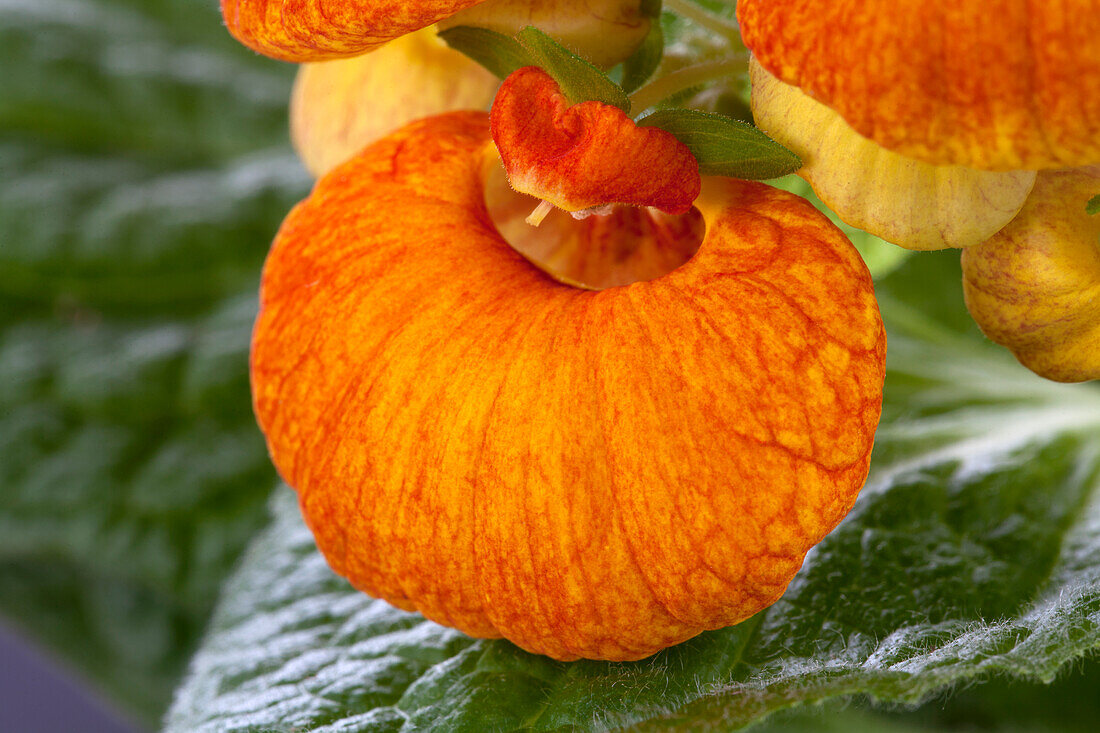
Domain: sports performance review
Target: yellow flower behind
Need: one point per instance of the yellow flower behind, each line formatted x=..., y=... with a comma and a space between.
x=338, y=107
x=1035, y=286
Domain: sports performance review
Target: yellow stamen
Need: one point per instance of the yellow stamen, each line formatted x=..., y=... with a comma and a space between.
x=541, y=211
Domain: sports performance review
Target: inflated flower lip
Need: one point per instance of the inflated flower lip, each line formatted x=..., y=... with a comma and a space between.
x=605, y=31
x=587, y=155
x=987, y=84
x=1035, y=286
x=588, y=474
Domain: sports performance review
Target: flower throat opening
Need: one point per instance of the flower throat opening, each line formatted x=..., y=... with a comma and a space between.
x=629, y=244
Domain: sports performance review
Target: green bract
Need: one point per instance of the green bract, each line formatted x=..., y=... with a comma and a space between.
x=644, y=61
x=724, y=146
x=498, y=53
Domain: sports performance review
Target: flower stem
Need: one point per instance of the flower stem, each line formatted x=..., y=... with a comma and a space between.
x=691, y=76
x=727, y=29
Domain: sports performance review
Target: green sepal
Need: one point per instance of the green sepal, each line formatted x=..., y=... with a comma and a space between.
x=646, y=58
x=579, y=80
x=498, y=53
x=724, y=146
x=1093, y=206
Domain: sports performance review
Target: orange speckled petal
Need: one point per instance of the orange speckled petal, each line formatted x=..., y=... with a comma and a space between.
x=316, y=30
x=990, y=84
x=338, y=107
x=1035, y=286
x=586, y=155
x=589, y=474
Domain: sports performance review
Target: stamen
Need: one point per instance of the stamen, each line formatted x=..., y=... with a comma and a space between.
x=604, y=210
x=541, y=211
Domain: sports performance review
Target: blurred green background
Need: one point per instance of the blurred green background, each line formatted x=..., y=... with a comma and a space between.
x=145, y=169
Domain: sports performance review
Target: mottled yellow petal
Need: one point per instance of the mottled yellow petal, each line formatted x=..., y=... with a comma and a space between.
x=913, y=204
x=589, y=474
x=990, y=84
x=603, y=31
x=1035, y=286
x=338, y=107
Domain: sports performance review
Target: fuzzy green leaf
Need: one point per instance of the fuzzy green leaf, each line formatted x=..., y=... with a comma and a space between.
x=972, y=552
x=579, y=80
x=724, y=146
x=647, y=57
x=498, y=53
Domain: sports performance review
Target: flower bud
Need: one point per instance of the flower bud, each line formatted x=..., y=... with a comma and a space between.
x=1035, y=285
x=338, y=107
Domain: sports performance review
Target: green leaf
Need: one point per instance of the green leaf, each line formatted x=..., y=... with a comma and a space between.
x=579, y=80
x=725, y=147
x=132, y=477
x=1093, y=206
x=146, y=170
x=647, y=57
x=498, y=53
x=1069, y=705
x=159, y=81
x=972, y=552
x=116, y=232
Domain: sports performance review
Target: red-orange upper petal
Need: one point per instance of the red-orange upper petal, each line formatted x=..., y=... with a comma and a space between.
x=991, y=84
x=595, y=474
x=589, y=154
x=315, y=30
